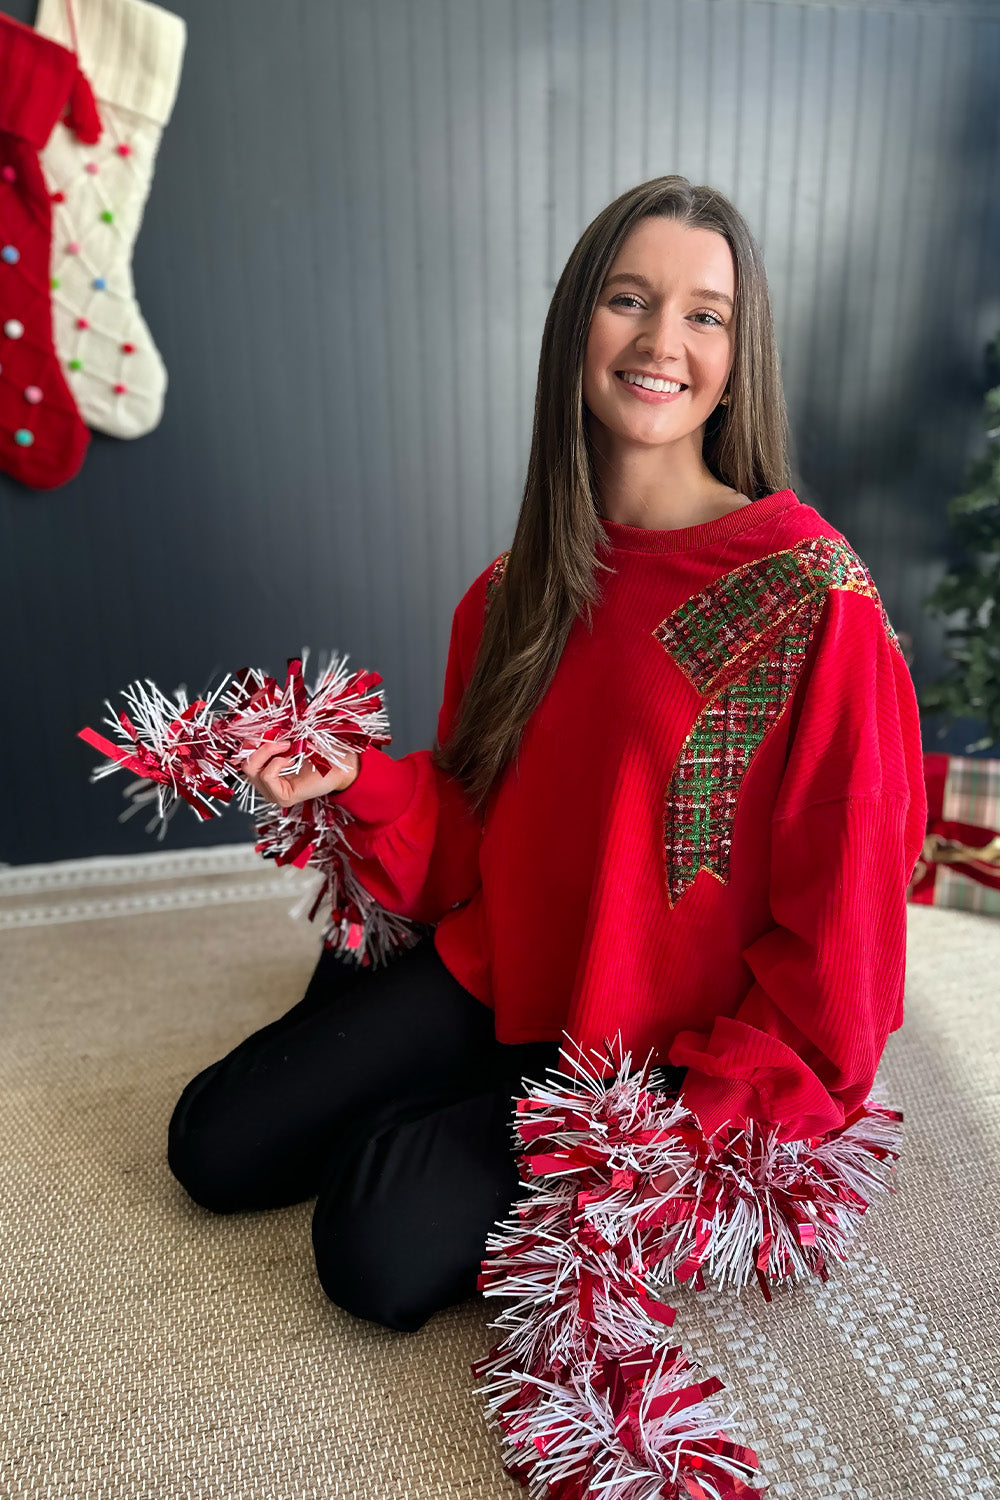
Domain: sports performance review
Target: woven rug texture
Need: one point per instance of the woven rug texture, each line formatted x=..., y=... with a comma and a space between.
x=152, y=1351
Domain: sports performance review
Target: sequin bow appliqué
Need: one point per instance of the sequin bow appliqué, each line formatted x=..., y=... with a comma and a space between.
x=742, y=642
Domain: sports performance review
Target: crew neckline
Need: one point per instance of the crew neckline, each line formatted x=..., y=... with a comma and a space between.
x=625, y=538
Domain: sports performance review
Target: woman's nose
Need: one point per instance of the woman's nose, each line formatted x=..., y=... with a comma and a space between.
x=660, y=337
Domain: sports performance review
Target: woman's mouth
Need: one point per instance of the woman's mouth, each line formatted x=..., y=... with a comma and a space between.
x=648, y=388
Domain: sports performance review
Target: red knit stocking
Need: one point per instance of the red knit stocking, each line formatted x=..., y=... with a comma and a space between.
x=42, y=439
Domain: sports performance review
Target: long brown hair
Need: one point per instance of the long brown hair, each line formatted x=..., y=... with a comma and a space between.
x=550, y=576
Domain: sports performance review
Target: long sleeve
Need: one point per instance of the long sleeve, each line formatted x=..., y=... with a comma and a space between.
x=801, y=1050
x=413, y=836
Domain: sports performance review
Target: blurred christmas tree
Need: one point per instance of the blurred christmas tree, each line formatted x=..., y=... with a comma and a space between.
x=967, y=595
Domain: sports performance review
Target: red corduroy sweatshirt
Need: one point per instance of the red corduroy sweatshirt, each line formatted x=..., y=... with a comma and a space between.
x=705, y=841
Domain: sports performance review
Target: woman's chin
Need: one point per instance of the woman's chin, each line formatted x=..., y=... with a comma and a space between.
x=642, y=426
x=654, y=432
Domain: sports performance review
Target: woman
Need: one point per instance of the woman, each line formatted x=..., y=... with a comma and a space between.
x=677, y=795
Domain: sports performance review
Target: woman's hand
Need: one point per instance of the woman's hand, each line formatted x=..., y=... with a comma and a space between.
x=265, y=770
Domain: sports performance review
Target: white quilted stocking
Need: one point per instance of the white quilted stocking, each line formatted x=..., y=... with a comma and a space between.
x=131, y=51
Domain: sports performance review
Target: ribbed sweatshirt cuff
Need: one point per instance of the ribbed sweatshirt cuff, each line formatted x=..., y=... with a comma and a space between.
x=130, y=50
x=382, y=789
x=714, y=1101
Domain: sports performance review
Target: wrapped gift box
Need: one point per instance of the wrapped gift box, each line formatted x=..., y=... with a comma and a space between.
x=960, y=862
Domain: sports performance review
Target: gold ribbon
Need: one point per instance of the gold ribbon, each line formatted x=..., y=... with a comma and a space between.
x=939, y=850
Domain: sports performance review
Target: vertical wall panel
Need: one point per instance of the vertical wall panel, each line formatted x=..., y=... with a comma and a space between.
x=725, y=66
x=662, y=71
x=496, y=76
x=398, y=317
x=533, y=208
x=696, y=89
x=757, y=104
x=439, y=373
x=466, y=291
x=807, y=203
x=359, y=214
x=631, y=83
x=573, y=116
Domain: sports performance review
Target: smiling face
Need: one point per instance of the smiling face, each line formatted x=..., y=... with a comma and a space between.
x=666, y=311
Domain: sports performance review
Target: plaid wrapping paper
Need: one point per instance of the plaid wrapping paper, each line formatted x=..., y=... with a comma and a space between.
x=963, y=822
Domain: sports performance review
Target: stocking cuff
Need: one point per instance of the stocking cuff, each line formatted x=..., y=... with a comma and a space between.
x=37, y=81
x=130, y=50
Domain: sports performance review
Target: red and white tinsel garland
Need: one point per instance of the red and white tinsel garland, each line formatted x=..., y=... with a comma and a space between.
x=317, y=834
x=193, y=752
x=624, y=1195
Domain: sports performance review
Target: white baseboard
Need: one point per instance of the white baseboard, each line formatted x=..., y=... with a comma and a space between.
x=126, y=869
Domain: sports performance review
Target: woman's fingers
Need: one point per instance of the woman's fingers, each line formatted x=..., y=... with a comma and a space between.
x=300, y=787
x=260, y=757
x=266, y=769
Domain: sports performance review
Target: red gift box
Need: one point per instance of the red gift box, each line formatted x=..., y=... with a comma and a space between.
x=960, y=862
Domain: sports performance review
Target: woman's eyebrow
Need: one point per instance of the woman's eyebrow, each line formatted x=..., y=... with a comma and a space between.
x=705, y=292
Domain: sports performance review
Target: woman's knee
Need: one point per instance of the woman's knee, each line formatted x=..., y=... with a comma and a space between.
x=372, y=1276
x=200, y=1148
x=403, y=1215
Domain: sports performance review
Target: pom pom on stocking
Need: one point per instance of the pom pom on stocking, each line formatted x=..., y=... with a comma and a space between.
x=132, y=52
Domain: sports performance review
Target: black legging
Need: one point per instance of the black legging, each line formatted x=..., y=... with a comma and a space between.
x=385, y=1094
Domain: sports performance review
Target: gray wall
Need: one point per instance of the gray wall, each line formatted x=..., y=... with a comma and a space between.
x=359, y=214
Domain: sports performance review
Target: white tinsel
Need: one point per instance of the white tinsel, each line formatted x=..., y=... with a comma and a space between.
x=356, y=925
x=568, y=1431
x=621, y=1190
x=154, y=713
x=196, y=751
x=302, y=715
x=834, y=1177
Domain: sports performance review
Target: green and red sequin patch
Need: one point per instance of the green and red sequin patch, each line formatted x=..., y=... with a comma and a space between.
x=495, y=576
x=742, y=642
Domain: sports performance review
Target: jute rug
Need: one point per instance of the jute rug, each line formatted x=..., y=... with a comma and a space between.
x=149, y=1349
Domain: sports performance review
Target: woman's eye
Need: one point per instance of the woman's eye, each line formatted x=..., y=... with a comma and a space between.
x=629, y=299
